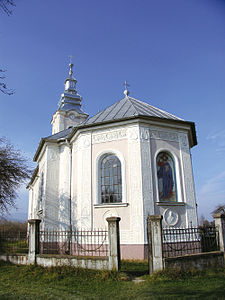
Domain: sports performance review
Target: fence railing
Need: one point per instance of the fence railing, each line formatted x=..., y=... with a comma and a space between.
x=12, y=242
x=79, y=242
x=181, y=241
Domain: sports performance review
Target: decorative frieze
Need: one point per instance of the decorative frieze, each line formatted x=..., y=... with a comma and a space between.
x=144, y=133
x=183, y=140
x=109, y=136
x=164, y=135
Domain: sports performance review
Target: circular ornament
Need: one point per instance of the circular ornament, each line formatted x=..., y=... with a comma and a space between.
x=170, y=217
x=72, y=116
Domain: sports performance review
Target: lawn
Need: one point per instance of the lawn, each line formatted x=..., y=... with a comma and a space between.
x=33, y=282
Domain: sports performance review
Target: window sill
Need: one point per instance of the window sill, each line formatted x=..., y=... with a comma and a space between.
x=107, y=205
x=170, y=203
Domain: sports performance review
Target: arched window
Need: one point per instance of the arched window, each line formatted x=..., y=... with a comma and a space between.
x=111, y=181
x=166, y=177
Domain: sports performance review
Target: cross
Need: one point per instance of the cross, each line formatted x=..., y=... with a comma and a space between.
x=70, y=56
x=126, y=85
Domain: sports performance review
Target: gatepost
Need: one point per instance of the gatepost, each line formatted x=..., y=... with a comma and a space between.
x=154, y=232
x=34, y=241
x=220, y=224
x=114, y=243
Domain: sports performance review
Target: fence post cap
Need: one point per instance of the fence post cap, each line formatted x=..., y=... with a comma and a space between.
x=155, y=217
x=113, y=219
x=33, y=221
x=219, y=215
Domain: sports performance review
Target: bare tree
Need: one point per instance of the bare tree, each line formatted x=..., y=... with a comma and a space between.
x=14, y=171
x=5, y=6
x=3, y=88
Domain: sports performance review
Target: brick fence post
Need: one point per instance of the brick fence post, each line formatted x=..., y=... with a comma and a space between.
x=114, y=242
x=220, y=224
x=154, y=232
x=34, y=241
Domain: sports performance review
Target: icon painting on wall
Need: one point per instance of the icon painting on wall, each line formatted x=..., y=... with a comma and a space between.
x=166, y=177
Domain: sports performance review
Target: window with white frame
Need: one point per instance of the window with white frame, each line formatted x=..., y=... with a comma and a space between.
x=166, y=177
x=110, y=179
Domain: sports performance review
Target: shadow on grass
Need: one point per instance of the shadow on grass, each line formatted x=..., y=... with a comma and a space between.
x=134, y=268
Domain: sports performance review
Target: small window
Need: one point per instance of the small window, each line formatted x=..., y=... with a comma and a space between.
x=166, y=177
x=111, y=181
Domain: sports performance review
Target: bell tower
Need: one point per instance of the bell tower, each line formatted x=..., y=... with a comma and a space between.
x=69, y=112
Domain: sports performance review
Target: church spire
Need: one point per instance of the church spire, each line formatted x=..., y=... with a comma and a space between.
x=70, y=82
x=70, y=98
x=69, y=111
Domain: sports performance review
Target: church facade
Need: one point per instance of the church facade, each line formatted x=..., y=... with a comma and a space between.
x=130, y=160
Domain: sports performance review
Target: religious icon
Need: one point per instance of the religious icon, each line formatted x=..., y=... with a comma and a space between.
x=166, y=178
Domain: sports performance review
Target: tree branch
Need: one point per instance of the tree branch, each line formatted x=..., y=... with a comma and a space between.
x=5, y=4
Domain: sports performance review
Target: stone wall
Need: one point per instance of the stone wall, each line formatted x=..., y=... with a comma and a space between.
x=49, y=260
x=199, y=261
x=17, y=259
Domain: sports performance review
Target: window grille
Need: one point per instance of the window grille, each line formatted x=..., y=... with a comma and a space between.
x=111, y=181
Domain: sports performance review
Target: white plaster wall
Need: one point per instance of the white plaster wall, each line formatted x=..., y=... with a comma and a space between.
x=51, y=196
x=137, y=147
x=125, y=143
x=31, y=204
x=34, y=191
x=82, y=187
x=188, y=179
x=172, y=140
x=64, y=186
x=147, y=175
x=64, y=119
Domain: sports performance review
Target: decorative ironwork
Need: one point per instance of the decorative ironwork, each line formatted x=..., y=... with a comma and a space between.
x=13, y=242
x=78, y=242
x=181, y=241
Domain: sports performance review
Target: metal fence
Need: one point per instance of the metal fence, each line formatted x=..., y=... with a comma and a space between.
x=181, y=241
x=12, y=242
x=79, y=242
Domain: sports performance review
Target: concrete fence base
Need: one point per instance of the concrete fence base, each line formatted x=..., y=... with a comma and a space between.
x=110, y=262
x=200, y=261
x=49, y=260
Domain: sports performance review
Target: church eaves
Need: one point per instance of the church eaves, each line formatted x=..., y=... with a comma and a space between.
x=62, y=135
x=129, y=107
x=124, y=109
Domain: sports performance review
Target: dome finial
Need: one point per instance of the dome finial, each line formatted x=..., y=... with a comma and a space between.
x=71, y=66
x=126, y=92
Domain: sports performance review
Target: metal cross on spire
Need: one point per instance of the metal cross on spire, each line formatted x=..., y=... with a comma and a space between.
x=70, y=56
x=126, y=92
x=71, y=65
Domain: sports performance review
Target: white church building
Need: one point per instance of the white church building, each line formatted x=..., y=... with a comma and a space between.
x=130, y=160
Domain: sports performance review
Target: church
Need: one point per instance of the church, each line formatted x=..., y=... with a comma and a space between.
x=130, y=160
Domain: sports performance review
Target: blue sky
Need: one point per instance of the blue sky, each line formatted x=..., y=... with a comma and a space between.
x=172, y=53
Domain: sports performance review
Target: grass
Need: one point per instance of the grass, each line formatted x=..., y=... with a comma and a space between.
x=34, y=282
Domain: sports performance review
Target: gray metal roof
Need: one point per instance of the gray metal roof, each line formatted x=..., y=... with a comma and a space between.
x=123, y=109
x=129, y=107
x=59, y=135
